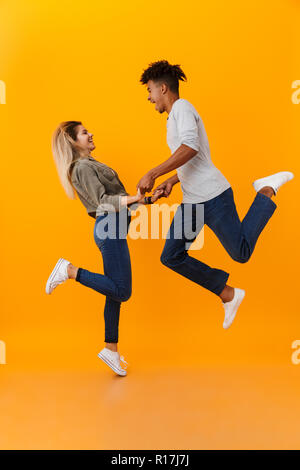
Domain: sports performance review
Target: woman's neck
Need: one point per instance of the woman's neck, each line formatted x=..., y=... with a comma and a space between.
x=85, y=155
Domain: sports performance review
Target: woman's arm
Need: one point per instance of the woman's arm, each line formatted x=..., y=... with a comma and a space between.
x=129, y=200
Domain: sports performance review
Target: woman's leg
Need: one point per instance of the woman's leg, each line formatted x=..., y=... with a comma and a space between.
x=111, y=321
x=112, y=309
x=115, y=283
x=116, y=280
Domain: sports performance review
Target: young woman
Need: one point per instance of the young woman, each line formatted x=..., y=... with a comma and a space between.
x=106, y=200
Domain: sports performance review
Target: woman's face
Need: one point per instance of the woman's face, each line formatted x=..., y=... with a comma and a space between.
x=84, y=139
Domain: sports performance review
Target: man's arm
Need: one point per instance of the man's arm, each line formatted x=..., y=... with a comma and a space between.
x=173, y=179
x=182, y=155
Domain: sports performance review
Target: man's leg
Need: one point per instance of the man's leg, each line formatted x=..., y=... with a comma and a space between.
x=238, y=238
x=175, y=255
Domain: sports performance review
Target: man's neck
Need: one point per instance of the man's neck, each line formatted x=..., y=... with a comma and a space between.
x=171, y=100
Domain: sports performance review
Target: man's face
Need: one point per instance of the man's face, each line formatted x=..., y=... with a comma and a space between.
x=155, y=90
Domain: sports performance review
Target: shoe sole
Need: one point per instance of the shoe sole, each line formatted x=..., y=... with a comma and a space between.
x=52, y=275
x=111, y=365
x=237, y=307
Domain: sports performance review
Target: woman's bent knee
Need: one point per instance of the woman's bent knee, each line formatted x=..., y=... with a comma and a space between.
x=125, y=295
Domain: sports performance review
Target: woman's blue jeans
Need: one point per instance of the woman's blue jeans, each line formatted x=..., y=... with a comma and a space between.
x=115, y=283
x=238, y=238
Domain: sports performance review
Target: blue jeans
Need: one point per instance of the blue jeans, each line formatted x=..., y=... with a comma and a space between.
x=238, y=238
x=116, y=282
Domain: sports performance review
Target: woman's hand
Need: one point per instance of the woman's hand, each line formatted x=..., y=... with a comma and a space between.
x=139, y=196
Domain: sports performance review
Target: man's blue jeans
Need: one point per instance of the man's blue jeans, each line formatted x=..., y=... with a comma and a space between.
x=238, y=238
x=115, y=283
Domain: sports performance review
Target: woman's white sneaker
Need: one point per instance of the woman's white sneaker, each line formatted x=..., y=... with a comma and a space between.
x=232, y=307
x=112, y=359
x=58, y=275
x=275, y=181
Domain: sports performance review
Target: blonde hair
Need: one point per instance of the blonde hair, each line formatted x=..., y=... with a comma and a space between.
x=65, y=153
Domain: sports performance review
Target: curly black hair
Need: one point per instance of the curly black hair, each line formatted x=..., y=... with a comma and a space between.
x=162, y=71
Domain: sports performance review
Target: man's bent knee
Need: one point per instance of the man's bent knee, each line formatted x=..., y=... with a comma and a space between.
x=167, y=259
x=241, y=259
x=164, y=259
x=172, y=261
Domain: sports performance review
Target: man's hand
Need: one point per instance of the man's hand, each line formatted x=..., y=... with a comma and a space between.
x=166, y=186
x=146, y=183
x=158, y=193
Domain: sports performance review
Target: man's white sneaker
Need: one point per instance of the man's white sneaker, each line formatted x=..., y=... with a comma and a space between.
x=232, y=306
x=112, y=359
x=275, y=181
x=58, y=275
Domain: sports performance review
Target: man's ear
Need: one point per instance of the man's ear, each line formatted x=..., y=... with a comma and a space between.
x=164, y=88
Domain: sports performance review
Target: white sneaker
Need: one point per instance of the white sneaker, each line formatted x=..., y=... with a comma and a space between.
x=275, y=181
x=58, y=275
x=232, y=306
x=112, y=359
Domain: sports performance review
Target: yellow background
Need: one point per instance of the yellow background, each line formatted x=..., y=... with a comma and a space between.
x=65, y=60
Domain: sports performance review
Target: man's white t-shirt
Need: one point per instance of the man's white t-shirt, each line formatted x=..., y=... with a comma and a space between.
x=199, y=178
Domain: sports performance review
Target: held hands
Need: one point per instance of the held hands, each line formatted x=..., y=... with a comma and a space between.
x=164, y=189
x=146, y=184
x=156, y=195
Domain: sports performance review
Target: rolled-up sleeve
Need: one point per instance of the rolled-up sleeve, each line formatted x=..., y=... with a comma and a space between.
x=187, y=126
x=87, y=183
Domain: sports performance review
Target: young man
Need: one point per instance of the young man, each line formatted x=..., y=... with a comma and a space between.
x=202, y=183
